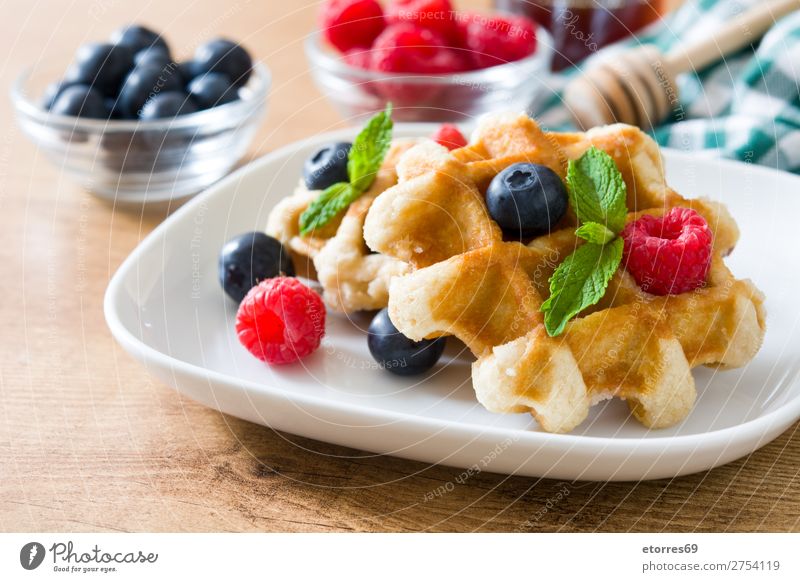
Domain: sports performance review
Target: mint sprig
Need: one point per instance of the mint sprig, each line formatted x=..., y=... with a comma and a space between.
x=328, y=204
x=363, y=162
x=369, y=149
x=580, y=281
x=596, y=190
x=598, y=195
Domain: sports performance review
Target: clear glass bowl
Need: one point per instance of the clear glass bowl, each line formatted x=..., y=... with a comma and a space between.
x=144, y=161
x=357, y=93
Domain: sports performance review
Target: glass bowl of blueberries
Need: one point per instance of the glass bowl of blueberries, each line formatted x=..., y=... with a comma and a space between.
x=432, y=61
x=132, y=124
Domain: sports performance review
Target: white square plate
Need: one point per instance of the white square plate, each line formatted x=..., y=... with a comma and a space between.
x=166, y=308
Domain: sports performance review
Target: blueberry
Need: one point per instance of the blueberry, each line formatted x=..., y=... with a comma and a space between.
x=101, y=66
x=398, y=354
x=80, y=101
x=212, y=89
x=327, y=166
x=121, y=146
x=223, y=56
x=154, y=55
x=526, y=200
x=138, y=37
x=187, y=69
x=169, y=104
x=249, y=259
x=53, y=90
x=113, y=110
x=143, y=84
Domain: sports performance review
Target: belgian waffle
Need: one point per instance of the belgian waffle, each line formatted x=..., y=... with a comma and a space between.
x=468, y=282
x=352, y=278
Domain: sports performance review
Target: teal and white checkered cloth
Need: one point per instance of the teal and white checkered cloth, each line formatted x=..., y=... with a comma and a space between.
x=746, y=107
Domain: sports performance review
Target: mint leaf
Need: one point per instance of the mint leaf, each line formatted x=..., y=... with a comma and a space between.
x=580, y=281
x=328, y=204
x=595, y=233
x=597, y=194
x=363, y=162
x=369, y=149
x=596, y=189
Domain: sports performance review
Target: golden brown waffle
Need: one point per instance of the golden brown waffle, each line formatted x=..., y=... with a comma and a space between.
x=469, y=283
x=352, y=278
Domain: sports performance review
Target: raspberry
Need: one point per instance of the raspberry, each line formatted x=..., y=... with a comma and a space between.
x=437, y=15
x=405, y=48
x=280, y=320
x=349, y=24
x=495, y=40
x=449, y=136
x=359, y=58
x=668, y=255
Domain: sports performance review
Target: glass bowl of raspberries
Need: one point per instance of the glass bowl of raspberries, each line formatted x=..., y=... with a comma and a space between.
x=131, y=123
x=431, y=61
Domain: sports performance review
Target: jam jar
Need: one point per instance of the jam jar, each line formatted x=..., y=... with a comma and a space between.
x=581, y=27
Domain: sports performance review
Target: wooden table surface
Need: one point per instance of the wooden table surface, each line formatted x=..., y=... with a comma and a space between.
x=89, y=442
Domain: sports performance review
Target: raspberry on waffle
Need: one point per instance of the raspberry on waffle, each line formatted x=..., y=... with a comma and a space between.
x=468, y=282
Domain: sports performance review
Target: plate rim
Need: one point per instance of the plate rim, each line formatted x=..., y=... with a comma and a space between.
x=758, y=427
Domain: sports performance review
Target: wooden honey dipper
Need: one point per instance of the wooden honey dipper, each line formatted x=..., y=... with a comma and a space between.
x=637, y=86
